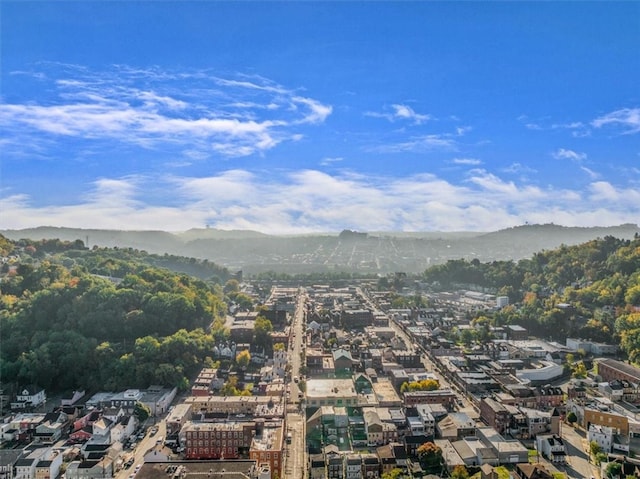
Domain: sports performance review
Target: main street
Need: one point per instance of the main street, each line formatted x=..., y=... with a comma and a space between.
x=467, y=406
x=578, y=464
x=143, y=446
x=295, y=455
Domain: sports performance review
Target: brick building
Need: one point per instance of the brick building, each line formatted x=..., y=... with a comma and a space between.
x=267, y=446
x=217, y=440
x=445, y=397
x=495, y=414
x=610, y=369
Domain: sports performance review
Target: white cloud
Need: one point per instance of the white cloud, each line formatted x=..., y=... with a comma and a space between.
x=628, y=119
x=466, y=161
x=565, y=154
x=405, y=112
x=519, y=168
x=317, y=112
x=236, y=118
x=330, y=160
x=314, y=201
x=594, y=175
x=419, y=144
x=576, y=157
x=401, y=112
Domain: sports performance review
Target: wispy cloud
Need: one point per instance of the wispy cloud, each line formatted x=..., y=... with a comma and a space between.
x=578, y=129
x=151, y=109
x=400, y=112
x=519, y=168
x=419, y=144
x=309, y=201
x=466, y=161
x=576, y=157
x=627, y=119
x=565, y=154
x=330, y=160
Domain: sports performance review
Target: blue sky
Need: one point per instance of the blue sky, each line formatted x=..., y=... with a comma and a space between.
x=298, y=117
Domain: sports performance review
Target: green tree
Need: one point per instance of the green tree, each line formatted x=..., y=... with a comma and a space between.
x=459, y=472
x=571, y=417
x=579, y=370
x=430, y=457
x=232, y=286
x=422, y=385
x=613, y=470
x=230, y=388
x=243, y=358
x=141, y=411
x=262, y=332
x=594, y=448
x=394, y=473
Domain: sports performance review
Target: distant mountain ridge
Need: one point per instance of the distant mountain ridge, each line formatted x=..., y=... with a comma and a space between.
x=379, y=252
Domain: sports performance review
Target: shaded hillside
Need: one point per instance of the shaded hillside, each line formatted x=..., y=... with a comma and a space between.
x=356, y=252
x=88, y=319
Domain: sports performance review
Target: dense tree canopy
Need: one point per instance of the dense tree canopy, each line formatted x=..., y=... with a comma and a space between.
x=590, y=291
x=65, y=327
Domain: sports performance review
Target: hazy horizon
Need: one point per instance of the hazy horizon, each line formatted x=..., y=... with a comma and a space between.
x=293, y=118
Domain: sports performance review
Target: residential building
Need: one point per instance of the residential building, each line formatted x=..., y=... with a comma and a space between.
x=378, y=432
x=334, y=462
x=317, y=468
x=602, y=435
x=353, y=466
x=29, y=397
x=548, y=397
x=552, y=447
x=267, y=446
x=342, y=361
x=370, y=466
x=217, y=440
x=446, y=397
x=262, y=406
x=456, y=426
x=495, y=414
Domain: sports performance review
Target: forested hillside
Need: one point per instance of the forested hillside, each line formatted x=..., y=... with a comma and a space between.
x=590, y=290
x=73, y=318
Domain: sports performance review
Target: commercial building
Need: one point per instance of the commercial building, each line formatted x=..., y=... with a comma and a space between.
x=331, y=392
x=229, y=440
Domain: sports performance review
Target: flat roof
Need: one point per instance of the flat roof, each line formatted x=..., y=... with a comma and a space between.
x=330, y=388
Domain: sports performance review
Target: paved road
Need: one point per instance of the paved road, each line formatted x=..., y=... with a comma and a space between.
x=578, y=466
x=295, y=456
x=141, y=449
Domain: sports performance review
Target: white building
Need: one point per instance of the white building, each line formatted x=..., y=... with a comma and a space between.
x=280, y=359
x=502, y=301
x=551, y=447
x=428, y=421
x=547, y=371
x=603, y=435
x=29, y=397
